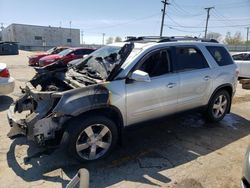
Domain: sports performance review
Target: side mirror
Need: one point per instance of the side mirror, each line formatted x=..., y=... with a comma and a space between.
x=140, y=76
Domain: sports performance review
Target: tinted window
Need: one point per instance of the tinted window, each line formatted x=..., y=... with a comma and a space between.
x=83, y=52
x=242, y=57
x=157, y=63
x=58, y=50
x=238, y=57
x=220, y=55
x=248, y=57
x=188, y=58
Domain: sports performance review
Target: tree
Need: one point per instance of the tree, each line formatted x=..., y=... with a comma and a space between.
x=214, y=35
x=118, y=39
x=236, y=39
x=110, y=40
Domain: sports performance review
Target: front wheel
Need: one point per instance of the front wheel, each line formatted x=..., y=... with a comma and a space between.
x=218, y=106
x=90, y=138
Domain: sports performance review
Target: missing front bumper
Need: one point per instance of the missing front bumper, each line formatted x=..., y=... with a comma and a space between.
x=18, y=127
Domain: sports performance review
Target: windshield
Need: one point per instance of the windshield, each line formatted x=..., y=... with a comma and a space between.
x=50, y=50
x=65, y=52
x=101, y=61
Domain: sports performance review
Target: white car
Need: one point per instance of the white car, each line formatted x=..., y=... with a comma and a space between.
x=242, y=59
x=7, y=83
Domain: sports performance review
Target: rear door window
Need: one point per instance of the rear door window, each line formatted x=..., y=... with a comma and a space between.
x=220, y=55
x=189, y=58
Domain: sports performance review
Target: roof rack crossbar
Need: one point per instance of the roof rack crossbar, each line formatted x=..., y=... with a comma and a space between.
x=167, y=39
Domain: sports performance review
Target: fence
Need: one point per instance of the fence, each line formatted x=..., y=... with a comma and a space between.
x=238, y=48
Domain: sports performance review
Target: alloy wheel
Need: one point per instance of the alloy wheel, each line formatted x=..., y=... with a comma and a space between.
x=94, y=141
x=220, y=106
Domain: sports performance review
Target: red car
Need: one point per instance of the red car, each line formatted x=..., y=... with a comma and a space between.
x=34, y=59
x=65, y=56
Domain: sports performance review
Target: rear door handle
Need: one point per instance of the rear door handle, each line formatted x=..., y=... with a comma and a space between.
x=206, y=78
x=171, y=85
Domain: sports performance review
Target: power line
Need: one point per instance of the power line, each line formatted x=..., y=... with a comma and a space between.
x=178, y=8
x=121, y=24
x=219, y=26
x=165, y=3
x=173, y=28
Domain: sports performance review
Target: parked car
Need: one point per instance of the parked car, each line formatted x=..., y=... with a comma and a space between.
x=242, y=59
x=7, y=83
x=65, y=56
x=85, y=108
x=245, y=181
x=34, y=59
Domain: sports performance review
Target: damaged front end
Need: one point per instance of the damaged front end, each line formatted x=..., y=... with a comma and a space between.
x=39, y=114
x=57, y=94
x=32, y=114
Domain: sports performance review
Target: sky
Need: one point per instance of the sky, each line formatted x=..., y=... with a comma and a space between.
x=129, y=17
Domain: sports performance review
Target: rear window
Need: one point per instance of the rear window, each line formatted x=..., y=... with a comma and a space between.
x=220, y=55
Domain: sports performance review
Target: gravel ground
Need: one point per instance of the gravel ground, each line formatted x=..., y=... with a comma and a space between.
x=181, y=151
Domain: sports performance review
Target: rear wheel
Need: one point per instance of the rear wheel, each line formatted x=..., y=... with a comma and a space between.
x=218, y=106
x=90, y=138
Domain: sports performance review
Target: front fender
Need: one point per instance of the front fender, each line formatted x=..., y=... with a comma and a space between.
x=77, y=101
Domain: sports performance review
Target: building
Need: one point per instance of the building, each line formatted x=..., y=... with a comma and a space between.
x=33, y=37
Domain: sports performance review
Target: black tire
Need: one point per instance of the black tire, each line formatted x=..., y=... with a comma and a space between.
x=245, y=81
x=246, y=86
x=210, y=113
x=77, y=126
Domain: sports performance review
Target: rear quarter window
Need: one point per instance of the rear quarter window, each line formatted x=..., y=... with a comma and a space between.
x=220, y=55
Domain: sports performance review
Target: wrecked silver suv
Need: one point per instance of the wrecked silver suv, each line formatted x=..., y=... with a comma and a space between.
x=85, y=107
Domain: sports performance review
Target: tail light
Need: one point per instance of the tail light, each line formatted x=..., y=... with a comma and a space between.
x=5, y=73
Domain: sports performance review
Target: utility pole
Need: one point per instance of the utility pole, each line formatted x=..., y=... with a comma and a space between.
x=82, y=33
x=247, y=33
x=247, y=38
x=70, y=32
x=103, y=35
x=208, y=15
x=165, y=3
x=2, y=27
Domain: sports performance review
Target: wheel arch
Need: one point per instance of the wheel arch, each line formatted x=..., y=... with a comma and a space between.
x=108, y=111
x=228, y=87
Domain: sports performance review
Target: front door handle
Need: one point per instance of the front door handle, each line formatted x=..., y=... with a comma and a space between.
x=206, y=78
x=171, y=85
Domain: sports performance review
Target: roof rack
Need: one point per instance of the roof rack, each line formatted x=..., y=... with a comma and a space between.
x=167, y=39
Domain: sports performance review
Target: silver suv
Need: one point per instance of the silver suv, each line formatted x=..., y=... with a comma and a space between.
x=85, y=106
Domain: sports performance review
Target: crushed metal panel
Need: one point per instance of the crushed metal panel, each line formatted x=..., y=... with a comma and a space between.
x=76, y=101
